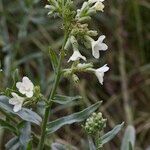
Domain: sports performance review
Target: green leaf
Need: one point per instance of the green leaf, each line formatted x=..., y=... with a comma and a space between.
x=29, y=146
x=25, y=135
x=130, y=146
x=54, y=59
x=59, y=146
x=15, y=76
x=6, y=125
x=76, y=117
x=60, y=99
x=111, y=134
x=12, y=144
x=91, y=143
x=129, y=138
x=24, y=113
x=22, y=140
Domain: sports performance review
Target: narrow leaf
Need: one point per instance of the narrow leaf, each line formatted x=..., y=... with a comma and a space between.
x=60, y=99
x=129, y=138
x=16, y=146
x=11, y=143
x=6, y=125
x=111, y=134
x=91, y=144
x=25, y=135
x=24, y=113
x=76, y=117
x=130, y=146
x=59, y=146
x=29, y=146
x=53, y=58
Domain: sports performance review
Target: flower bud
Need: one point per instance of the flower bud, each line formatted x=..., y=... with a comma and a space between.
x=95, y=123
x=37, y=90
x=92, y=33
x=99, y=6
x=84, y=19
x=75, y=78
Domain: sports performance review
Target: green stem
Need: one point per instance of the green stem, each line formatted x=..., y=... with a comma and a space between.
x=47, y=110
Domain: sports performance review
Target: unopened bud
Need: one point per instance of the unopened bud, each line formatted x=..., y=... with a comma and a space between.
x=75, y=78
x=95, y=123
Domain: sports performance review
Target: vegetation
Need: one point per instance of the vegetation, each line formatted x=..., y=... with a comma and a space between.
x=29, y=39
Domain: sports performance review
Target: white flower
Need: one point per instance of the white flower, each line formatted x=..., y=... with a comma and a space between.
x=17, y=101
x=100, y=73
x=48, y=6
x=95, y=1
x=25, y=87
x=98, y=45
x=76, y=56
x=99, y=6
x=81, y=65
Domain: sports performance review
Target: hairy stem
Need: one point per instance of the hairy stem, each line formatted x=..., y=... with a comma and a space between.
x=48, y=108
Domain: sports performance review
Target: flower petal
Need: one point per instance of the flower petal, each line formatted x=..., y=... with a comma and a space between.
x=17, y=97
x=48, y=6
x=76, y=56
x=17, y=101
x=100, y=72
x=25, y=80
x=29, y=94
x=17, y=107
x=20, y=87
x=103, y=47
x=95, y=53
x=99, y=6
x=98, y=45
x=22, y=90
x=101, y=38
x=18, y=84
x=103, y=68
x=27, y=83
x=13, y=101
x=100, y=76
x=94, y=1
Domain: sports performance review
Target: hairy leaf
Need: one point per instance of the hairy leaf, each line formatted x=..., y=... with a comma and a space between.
x=91, y=144
x=111, y=134
x=128, y=139
x=53, y=58
x=25, y=135
x=12, y=143
x=6, y=125
x=24, y=113
x=59, y=146
x=22, y=140
x=60, y=99
x=76, y=117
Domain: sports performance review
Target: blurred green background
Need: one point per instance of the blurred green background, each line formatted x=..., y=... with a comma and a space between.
x=26, y=33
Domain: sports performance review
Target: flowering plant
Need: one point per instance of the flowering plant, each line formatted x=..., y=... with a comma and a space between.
x=22, y=99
